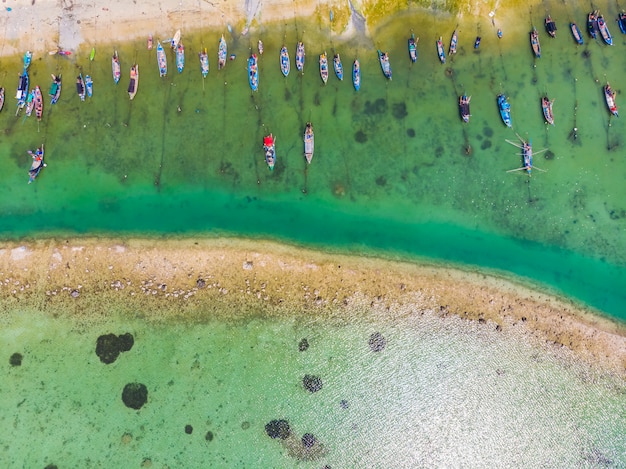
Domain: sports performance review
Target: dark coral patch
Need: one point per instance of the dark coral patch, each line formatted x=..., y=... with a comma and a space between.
x=486, y=144
x=360, y=136
x=312, y=383
x=278, y=429
x=135, y=395
x=303, y=345
x=188, y=429
x=16, y=359
x=308, y=440
x=377, y=342
x=410, y=132
x=109, y=346
x=209, y=436
x=399, y=111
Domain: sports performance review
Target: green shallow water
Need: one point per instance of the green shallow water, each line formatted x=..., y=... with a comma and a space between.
x=390, y=172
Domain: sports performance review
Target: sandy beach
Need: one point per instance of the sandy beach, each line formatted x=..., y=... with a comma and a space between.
x=183, y=279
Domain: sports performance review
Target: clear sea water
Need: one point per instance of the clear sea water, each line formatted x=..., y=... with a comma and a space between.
x=391, y=176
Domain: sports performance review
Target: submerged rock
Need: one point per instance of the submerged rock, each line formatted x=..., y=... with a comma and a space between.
x=303, y=345
x=308, y=440
x=278, y=429
x=16, y=359
x=377, y=342
x=109, y=346
x=312, y=383
x=135, y=395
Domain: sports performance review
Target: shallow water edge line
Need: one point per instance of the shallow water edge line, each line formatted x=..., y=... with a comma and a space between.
x=228, y=279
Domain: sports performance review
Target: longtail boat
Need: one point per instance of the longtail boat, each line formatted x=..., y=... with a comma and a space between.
x=578, y=37
x=260, y=47
x=356, y=75
x=534, y=43
x=80, y=87
x=174, y=41
x=526, y=154
x=89, y=86
x=161, y=59
x=550, y=26
x=150, y=42
x=604, y=31
x=324, y=67
x=412, y=43
x=204, y=62
x=28, y=57
x=30, y=103
x=116, y=68
x=37, y=165
x=309, y=142
x=621, y=22
x=505, y=110
x=453, y=42
x=383, y=58
x=300, y=56
x=1, y=98
x=546, y=107
x=285, y=64
x=253, y=72
x=338, y=66
x=221, y=54
x=477, y=42
x=38, y=103
x=133, y=84
x=180, y=57
x=464, y=107
x=55, y=89
x=269, y=147
x=609, y=96
x=441, y=51
x=22, y=90
x=592, y=23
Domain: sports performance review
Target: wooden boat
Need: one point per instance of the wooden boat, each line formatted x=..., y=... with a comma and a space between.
x=550, y=26
x=80, y=87
x=592, y=23
x=578, y=37
x=526, y=154
x=253, y=72
x=499, y=33
x=338, y=66
x=30, y=103
x=546, y=106
x=412, y=43
x=134, y=81
x=453, y=42
x=604, y=31
x=300, y=56
x=175, y=40
x=477, y=42
x=383, y=58
x=180, y=57
x=356, y=75
x=440, y=50
x=38, y=103
x=269, y=147
x=150, y=42
x=464, y=107
x=534, y=42
x=221, y=54
x=260, y=47
x=505, y=110
x=621, y=22
x=37, y=165
x=309, y=142
x=285, y=64
x=609, y=96
x=22, y=90
x=204, y=62
x=116, y=68
x=1, y=98
x=55, y=89
x=161, y=60
x=28, y=57
x=92, y=55
x=324, y=67
x=89, y=85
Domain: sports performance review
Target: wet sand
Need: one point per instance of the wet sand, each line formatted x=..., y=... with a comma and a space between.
x=231, y=279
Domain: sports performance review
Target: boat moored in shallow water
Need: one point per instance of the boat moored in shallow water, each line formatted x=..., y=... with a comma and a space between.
x=534, y=43
x=89, y=86
x=269, y=147
x=578, y=37
x=55, y=89
x=609, y=97
x=356, y=75
x=453, y=42
x=309, y=142
x=133, y=84
x=253, y=72
x=621, y=22
x=413, y=48
x=550, y=26
x=383, y=58
x=546, y=107
x=180, y=57
x=37, y=165
x=222, y=52
x=604, y=31
x=161, y=60
x=116, y=68
x=80, y=87
x=592, y=23
x=300, y=56
x=464, y=107
x=324, y=67
x=338, y=66
x=505, y=110
x=285, y=64
x=440, y=50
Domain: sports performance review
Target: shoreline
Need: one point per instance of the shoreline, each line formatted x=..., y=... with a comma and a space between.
x=91, y=279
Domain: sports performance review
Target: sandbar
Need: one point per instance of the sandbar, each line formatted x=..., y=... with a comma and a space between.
x=161, y=280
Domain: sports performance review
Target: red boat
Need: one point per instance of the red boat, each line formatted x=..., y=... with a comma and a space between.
x=269, y=146
x=609, y=96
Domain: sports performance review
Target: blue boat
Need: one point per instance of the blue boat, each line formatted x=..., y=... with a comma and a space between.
x=204, y=62
x=28, y=57
x=413, y=48
x=55, y=89
x=534, y=43
x=300, y=56
x=505, y=110
x=384, y=64
x=285, y=65
x=356, y=75
x=441, y=51
x=253, y=72
x=338, y=66
x=621, y=22
x=578, y=37
x=22, y=90
x=180, y=57
x=477, y=42
x=37, y=165
x=161, y=60
x=604, y=31
x=89, y=85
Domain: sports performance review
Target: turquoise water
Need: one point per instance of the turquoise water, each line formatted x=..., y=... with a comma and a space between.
x=390, y=174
